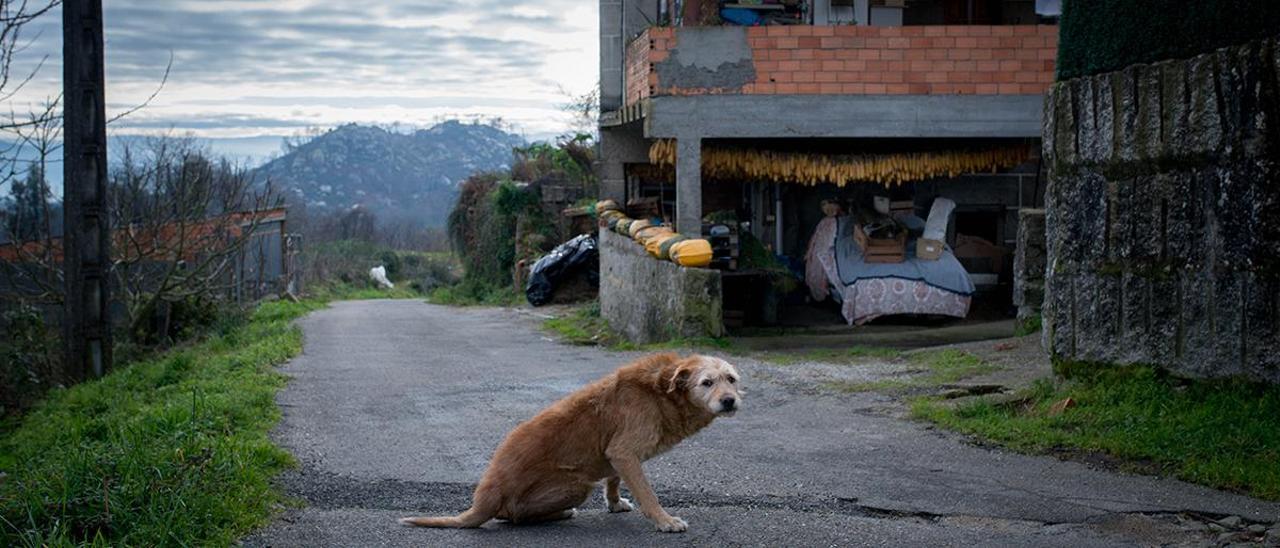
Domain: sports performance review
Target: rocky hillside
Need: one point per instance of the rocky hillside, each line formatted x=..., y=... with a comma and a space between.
x=397, y=176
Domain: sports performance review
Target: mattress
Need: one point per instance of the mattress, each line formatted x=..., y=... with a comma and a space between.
x=883, y=293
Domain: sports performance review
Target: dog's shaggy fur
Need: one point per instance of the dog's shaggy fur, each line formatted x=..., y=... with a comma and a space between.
x=549, y=465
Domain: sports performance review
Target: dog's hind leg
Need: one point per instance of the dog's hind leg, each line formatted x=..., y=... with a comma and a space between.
x=550, y=501
x=613, y=494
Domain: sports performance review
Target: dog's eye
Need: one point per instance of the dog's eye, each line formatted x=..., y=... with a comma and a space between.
x=732, y=380
x=707, y=382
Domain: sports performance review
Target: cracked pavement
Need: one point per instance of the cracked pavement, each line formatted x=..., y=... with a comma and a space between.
x=396, y=406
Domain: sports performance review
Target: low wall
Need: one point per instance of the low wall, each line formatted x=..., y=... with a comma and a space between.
x=648, y=300
x=1163, y=215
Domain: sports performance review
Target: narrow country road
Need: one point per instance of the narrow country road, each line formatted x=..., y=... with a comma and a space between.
x=396, y=406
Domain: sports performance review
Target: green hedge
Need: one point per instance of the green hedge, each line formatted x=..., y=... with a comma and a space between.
x=1105, y=35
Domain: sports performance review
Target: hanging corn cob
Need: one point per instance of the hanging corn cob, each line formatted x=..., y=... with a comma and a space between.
x=811, y=169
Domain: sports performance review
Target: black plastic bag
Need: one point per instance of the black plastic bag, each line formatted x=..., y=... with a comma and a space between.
x=576, y=255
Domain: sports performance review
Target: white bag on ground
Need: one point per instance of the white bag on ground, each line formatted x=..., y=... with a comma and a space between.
x=379, y=274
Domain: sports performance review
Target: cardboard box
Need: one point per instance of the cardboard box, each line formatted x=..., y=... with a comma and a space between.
x=930, y=250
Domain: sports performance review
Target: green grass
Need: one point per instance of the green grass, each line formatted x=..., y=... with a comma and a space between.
x=172, y=450
x=583, y=325
x=1224, y=434
x=844, y=356
x=1028, y=325
x=936, y=367
x=347, y=292
x=472, y=293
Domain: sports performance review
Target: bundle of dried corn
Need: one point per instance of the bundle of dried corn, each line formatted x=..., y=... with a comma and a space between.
x=810, y=169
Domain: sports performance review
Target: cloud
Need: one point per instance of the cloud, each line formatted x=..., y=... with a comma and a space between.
x=253, y=67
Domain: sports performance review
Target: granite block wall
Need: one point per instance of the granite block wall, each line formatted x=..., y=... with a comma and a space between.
x=1163, y=215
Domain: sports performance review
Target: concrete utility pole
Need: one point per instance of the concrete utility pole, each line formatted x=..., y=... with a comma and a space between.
x=86, y=232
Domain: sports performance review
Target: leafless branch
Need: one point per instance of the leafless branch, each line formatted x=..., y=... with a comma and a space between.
x=164, y=79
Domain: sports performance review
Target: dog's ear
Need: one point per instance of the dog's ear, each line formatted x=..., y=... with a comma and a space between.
x=675, y=374
x=677, y=378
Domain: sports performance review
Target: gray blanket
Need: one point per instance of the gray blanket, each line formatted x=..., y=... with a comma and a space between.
x=944, y=273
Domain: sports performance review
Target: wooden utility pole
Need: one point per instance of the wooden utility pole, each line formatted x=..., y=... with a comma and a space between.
x=86, y=232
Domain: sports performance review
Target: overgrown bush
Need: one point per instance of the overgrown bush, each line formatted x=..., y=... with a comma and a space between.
x=1107, y=35
x=163, y=322
x=29, y=358
x=498, y=222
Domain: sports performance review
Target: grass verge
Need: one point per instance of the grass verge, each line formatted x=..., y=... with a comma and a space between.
x=845, y=356
x=349, y=292
x=1224, y=434
x=935, y=368
x=472, y=293
x=171, y=450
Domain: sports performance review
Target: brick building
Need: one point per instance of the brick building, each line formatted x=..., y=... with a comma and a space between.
x=825, y=81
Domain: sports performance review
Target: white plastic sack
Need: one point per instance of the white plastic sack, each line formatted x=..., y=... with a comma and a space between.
x=379, y=274
x=935, y=227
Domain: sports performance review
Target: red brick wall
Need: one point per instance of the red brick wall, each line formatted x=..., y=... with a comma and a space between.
x=639, y=70
x=862, y=60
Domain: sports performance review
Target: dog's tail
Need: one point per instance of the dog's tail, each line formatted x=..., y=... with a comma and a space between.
x=482, y=510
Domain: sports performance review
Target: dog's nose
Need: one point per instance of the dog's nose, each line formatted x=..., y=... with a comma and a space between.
x=728, y=403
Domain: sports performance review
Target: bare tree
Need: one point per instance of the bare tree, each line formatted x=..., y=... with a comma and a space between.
x=15, y=16
x=33, y=274
x=182, y=222
x=584, y=110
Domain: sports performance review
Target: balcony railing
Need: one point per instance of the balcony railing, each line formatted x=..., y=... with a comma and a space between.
x=841, y=60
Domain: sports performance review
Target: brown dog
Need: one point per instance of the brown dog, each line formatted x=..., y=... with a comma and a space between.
x=549, y=465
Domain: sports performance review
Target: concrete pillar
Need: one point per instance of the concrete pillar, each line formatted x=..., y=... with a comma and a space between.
x=619, y=146
x=87, y=328
x=689, y=186
x=612, y=49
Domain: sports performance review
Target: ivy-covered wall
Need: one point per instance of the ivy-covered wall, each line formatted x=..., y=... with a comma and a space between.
x=1104, y=35
x=1163, y=215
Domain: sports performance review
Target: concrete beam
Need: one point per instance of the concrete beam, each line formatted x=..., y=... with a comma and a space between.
x=689, y=186
x=779, y=116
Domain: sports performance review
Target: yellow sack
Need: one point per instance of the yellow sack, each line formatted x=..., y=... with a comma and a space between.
x=636, y=225
x=647, y=233
x=695, y=253
x=654, y=244
x=664, y=248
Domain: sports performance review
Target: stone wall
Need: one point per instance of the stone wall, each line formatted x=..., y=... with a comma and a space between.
x=648, y=300
x=1163, y=221
x=1029, y=264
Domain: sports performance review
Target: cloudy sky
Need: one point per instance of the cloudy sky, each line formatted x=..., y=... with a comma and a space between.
x=246, y=72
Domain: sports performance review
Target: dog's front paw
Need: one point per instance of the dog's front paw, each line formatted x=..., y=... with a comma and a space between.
x=672, y=524
x=623, y=505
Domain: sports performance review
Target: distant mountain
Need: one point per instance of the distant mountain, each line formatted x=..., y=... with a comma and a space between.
x=397, y=176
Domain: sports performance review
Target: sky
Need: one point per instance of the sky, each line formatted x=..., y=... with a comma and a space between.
x=247, y=72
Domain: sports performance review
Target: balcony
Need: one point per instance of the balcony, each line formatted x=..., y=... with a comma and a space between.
x=841, y=60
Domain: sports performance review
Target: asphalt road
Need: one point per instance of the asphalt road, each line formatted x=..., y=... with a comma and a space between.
x=396, y=406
